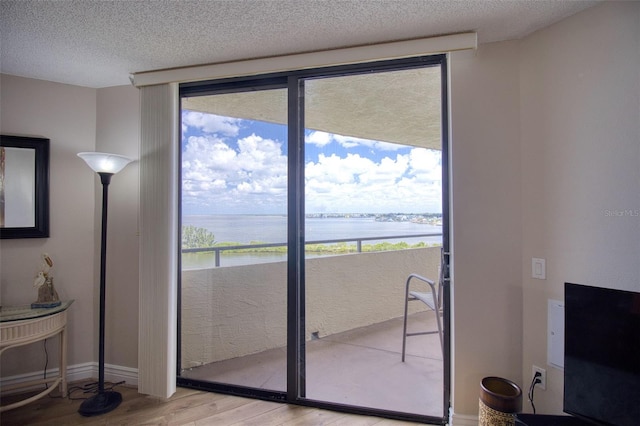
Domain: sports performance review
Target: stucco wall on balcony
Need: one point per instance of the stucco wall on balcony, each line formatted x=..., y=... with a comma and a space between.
x=230, y=312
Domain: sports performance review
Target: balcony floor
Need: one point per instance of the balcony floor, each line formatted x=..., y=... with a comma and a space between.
x=358, y=367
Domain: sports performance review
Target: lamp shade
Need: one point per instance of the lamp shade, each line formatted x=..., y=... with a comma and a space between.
x=102, y=162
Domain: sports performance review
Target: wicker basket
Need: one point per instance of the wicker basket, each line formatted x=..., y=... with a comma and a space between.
x=500, y=401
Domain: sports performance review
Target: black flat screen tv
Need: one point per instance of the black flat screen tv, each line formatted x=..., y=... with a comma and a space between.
x=602, y=355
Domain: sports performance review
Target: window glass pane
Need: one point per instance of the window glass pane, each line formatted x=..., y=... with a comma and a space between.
x=373, y=195
x=234, y=234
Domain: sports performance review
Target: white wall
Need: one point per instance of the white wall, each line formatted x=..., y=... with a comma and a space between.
x=580, y=115
x=486, y=286
x=77, y=119
x=546, y=163
x=67, y=116
x=118, y=131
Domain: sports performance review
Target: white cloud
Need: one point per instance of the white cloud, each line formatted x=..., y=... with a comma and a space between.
x=249, y=175
x=357, y=184
x=426, y=166
x=351, y=142
x=321, y=139
x=217, y=177
x=336, y=169
x=210, y=123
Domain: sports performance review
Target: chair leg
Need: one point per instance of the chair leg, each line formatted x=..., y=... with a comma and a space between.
x=439, y=322
x=437, y=310
x=404, y=326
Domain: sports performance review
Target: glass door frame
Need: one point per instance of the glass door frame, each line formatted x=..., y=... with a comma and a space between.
x=294, y=82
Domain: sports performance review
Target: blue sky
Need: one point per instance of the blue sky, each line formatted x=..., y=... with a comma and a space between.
x=236, y=166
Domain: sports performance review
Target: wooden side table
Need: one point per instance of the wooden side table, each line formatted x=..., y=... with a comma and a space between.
x=21, y=325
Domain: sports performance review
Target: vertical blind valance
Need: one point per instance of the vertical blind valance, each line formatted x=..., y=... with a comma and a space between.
x=324, y=58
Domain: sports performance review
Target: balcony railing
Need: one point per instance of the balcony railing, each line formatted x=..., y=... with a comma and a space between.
x=219, y=249
x=343, y=293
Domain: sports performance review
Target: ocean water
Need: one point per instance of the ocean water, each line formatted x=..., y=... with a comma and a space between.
x=244, y=229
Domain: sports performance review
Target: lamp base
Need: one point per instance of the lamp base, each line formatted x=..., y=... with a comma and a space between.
x=100, y=403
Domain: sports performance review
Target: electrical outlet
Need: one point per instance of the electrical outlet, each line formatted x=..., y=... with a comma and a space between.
x=542, y=377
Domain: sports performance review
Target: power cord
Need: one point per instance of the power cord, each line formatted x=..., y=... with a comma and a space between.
x=46, y=365
x=86, y=388
x=46, y=362
x=534, y=382
x=91, y=388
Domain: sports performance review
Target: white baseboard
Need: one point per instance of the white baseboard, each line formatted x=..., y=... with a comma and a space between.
x=87, y=370
x=118, y=373
x=462, y=419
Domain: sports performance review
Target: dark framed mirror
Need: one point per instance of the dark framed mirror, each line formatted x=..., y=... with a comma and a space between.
x=24, y=187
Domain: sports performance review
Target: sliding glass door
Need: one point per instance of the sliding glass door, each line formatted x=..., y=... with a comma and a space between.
x=308, y=198
x=234, y=234
x=373, y=216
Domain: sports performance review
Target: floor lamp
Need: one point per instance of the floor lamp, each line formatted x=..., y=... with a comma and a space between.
x=106, y=165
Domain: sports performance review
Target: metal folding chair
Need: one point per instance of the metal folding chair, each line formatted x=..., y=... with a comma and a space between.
x=431, y=298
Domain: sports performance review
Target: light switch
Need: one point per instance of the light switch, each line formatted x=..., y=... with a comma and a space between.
x=538, y=269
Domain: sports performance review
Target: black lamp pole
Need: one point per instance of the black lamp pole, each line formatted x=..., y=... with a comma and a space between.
x=103, y=401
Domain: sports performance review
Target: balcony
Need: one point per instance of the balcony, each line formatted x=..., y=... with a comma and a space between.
x=234, y=329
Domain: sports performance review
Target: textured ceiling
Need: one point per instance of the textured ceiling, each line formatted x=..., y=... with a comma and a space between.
x=100, y=43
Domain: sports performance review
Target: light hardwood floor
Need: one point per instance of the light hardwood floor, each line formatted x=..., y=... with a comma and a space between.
x=186, y=407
